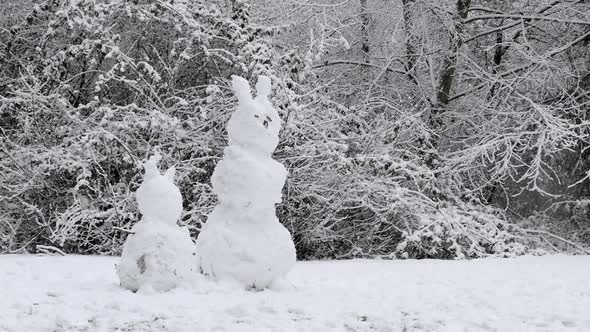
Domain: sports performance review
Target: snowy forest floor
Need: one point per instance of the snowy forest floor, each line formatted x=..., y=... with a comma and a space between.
x=81, y=293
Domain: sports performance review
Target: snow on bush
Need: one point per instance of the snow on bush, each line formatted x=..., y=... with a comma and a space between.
x=89, y=88
x=158, y=254
x=243, y=239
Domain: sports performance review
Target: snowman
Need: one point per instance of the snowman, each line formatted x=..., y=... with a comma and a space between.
x=243, y=240
x=158, y=255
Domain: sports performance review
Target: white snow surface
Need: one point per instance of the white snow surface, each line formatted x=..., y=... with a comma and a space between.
x=81, y=293
x=242, y=240
x=158, y=255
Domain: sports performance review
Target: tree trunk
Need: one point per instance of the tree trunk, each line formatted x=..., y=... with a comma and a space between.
x=364, y=29
x=449, y=65
x=411, y=42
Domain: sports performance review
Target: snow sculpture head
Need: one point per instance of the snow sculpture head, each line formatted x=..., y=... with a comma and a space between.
x=157, y=197
x=256, y=123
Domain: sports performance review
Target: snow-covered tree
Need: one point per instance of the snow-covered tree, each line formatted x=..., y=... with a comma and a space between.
x=424, y=138
x=243, y=239
x=157, y=254
x=478, y=105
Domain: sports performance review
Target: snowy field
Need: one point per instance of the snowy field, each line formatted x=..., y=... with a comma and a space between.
x=77, y=293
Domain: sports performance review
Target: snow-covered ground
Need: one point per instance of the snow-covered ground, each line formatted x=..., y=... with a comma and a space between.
x=78, y=293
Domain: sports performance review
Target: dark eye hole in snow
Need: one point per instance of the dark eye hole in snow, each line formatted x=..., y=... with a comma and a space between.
x=266, y=121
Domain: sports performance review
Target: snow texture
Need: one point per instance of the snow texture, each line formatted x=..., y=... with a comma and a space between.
x=243, y=240
x=81, y=293
x=158, y=255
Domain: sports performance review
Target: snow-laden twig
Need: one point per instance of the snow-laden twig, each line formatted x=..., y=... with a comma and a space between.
x=557, y=237
x=49, y=249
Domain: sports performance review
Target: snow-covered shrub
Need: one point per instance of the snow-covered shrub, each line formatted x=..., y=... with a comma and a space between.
x=564, y=227
x=360, y=185
x=157, y=254
x=89, y=88
x=243, y=240
x=393, y=215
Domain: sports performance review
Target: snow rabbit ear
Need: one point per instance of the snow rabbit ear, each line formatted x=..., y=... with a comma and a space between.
x=241, y=89
x=169, y=175
x=151, y=166
x=263, y=86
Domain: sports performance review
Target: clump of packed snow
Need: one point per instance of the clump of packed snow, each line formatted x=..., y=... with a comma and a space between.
x=158, y=198
x=243, y=239
x=158, y=254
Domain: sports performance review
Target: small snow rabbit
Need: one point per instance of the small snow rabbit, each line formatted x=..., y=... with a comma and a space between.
x=158, y=255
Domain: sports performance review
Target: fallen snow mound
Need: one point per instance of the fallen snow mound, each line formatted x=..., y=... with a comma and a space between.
x=81, y=293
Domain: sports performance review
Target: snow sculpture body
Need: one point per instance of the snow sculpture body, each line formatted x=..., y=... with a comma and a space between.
x=158, y=254
x=243, y=239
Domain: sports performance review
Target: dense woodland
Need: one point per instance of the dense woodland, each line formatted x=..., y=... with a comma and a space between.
x=411, y=128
